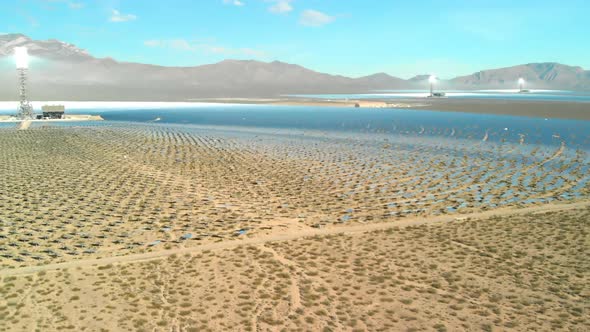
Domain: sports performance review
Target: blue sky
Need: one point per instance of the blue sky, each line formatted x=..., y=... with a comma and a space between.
x=354, y=38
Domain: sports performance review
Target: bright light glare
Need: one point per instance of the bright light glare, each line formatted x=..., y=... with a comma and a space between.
x=432, y=79
x=21, y=56
x=521, y=81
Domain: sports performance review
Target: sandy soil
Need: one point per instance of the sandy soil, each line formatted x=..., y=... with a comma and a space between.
x=83, y=117
x=289, y=234
x=69, y=117
x=539, y=109
x=155, y=228
x=102, y=192
x=521, y=272
x=24, y=125
x=352, y=103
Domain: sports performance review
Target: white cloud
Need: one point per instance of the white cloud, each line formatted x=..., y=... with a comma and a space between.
x=281, y=6
x=176, y=44
x=314, y=18
x=199, y=46
x=71, y=4
x=180, y=44
x=153, y=43
x=33, y=21
x=76, y=5
x=118, y=17
x=234, y=2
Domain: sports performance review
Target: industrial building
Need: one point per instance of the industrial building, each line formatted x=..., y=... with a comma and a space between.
x=25, y=112
x=53, y=112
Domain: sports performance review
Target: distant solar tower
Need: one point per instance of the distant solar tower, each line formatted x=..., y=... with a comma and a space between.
x=25, y=109
x=432, y=81
x=521, y=84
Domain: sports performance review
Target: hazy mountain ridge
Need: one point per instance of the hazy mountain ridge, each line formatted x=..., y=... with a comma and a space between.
x=51, y=48
x=68, y=72
x=550, y=74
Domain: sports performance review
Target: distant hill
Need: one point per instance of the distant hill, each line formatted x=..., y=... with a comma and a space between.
x=70, y=73
x=537, y=75
x=419, y=78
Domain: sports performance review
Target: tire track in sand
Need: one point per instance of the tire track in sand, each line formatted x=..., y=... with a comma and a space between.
x=311, y=232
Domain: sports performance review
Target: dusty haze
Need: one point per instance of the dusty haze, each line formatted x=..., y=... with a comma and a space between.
x=64, y=71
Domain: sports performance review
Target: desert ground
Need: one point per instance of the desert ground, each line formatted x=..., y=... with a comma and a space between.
x=528, y=108
x=117, y=227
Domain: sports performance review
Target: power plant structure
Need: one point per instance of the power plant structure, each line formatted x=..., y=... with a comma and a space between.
x=25, y=109
x=521, y=88
x=432, y=80
x=52, y=112
x=25, y=114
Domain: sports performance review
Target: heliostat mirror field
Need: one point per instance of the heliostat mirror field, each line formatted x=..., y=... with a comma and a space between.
x=96, y=190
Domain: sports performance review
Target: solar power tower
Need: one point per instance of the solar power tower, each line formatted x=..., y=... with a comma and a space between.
x=25, y=109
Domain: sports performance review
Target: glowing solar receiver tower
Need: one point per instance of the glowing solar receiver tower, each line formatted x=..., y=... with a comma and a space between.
x=432, y=81
x=25, y=109
x=521, y=84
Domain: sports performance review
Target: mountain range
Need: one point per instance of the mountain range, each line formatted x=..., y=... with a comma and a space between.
x=66, y=72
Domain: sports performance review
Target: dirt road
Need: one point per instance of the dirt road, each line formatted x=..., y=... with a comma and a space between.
x=24, y=125
x=349, y=230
